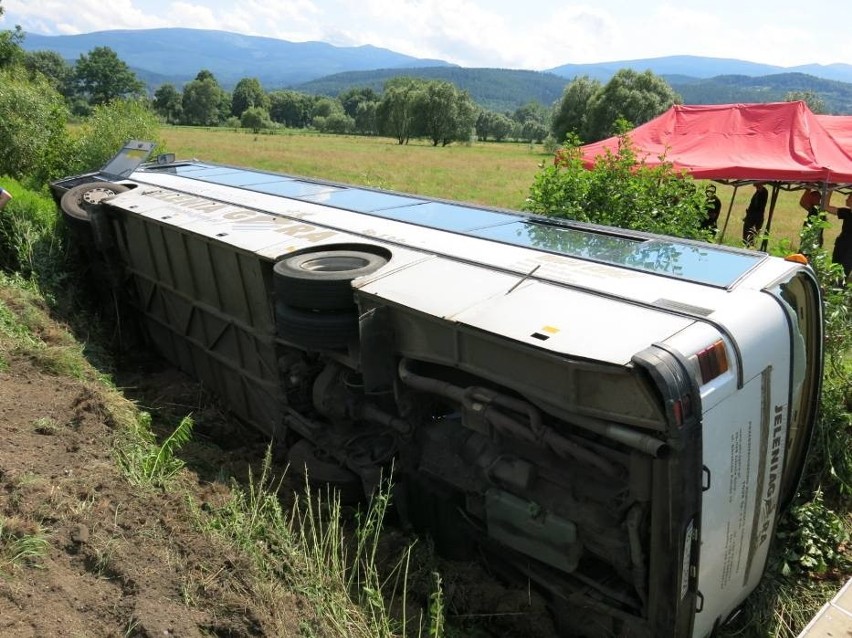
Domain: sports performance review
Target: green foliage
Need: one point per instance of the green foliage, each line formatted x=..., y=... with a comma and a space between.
x=52, y=66
x=396, y=113
x=21, y=543
x=812, y=99
x=31, y=239
x=102, y=77
x=618, y=191
x=33, y=136
x=631, y=96
x=11, y=52
x=202, y=101
x=147, y=464
x=108, y=128
x=444, y=113
x=812, y=538
x=256, y=119
x=167, y=103
x=570, y=113
x=248, y=94
x=307, y=549
x=290, y=108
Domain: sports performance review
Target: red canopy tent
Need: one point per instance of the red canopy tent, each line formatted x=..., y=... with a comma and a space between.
x=839, y=127
x=781, y=143
x=773, y=142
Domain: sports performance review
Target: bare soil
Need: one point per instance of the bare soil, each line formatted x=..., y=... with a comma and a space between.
x=124, y=561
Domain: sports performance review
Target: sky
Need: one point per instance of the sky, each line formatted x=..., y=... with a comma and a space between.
x=513, y=34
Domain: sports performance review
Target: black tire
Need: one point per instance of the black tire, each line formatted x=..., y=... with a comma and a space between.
x=322, y=279
x=314, y=330
x=77, y=202
x=323, y=471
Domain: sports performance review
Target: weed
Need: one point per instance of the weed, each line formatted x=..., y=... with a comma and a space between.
x=46, y=425
x=21, y=543
x=146, y=463
x=310, y=550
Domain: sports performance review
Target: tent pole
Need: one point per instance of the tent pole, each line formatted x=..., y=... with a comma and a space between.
x=775, y=190
x=728, y=216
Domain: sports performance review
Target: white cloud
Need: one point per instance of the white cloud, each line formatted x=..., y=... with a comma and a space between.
x=533, y=34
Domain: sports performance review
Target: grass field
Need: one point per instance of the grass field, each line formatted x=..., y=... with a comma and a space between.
x=491, y=174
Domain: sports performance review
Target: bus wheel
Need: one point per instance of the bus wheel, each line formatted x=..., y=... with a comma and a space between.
x=314, y=330
x=77, y=202
x=320, y=279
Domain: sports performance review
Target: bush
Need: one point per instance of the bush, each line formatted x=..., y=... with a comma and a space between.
x=31, y=237
x=33, y=136
x=109, y=127
x=619, y=191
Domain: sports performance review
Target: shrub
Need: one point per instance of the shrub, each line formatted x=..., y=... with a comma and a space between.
x=31, y=238
x=108, y=128
x=618, y=191
x=33, y=136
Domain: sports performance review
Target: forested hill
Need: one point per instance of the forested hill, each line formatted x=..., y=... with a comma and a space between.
x=505, y=90
x=499, y=90
x=725, y=89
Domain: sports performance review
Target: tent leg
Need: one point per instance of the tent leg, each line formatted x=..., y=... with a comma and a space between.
x=728, y=216
x=775, y=190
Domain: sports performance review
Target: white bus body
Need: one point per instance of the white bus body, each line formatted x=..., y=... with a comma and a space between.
x=619, y=417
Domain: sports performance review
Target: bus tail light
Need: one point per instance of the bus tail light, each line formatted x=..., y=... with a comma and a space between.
x=711, y=361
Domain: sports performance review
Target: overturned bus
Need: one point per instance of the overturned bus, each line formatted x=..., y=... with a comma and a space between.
x=615, y=416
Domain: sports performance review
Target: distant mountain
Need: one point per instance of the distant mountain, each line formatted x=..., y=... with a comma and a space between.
x=158, y=56
x=177, y=55
x=495, y=89
x=701, y=68
x=729, y=89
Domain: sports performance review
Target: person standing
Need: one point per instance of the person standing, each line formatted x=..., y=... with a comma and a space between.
x=713, y=207
x=753, y=222
x=5, y=196
x=842, y=253
x=810, y=201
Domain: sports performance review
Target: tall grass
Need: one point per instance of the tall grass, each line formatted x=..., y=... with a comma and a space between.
x=309, y=549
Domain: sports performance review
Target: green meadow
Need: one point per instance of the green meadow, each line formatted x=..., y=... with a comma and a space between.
x=486, y=173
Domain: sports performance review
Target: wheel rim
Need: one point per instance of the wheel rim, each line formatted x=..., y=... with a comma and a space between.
x=334, y=263
x=95, y=196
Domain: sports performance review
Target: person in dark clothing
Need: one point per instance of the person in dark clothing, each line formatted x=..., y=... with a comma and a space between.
x=842, y=253
x=714, y=207
x=753, y=221
x=811, y=201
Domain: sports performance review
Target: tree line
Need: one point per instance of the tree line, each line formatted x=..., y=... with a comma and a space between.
x=406, y=108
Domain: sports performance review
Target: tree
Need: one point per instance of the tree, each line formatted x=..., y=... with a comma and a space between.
x=255, y=118
x=813, y=100
x=33, y=135
x=290, y=108
x=365, y=118
x=11, y=52
x=493, y=125
x=635, y=97
x=100, y=76
x=353, y=98
x=248, y=93
x=202, y=100
x=396, y=112
x=437, y=111
x=569, y=114
x=168, y=103
x=51, y=66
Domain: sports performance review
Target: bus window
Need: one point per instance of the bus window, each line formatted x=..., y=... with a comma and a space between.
x=800, y=296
